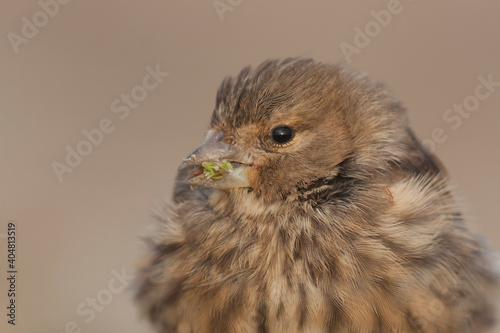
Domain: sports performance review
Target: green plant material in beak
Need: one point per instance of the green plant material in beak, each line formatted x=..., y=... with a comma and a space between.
x=216, y=170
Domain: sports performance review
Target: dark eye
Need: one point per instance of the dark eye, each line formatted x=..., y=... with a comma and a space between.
x=282, y=134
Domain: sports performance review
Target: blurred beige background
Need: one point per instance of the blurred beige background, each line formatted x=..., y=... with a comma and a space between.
x=64, y=76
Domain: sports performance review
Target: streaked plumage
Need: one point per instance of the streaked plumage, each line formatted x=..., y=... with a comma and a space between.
x=349, y=227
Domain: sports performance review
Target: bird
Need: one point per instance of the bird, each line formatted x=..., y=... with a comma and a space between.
x=311, y=206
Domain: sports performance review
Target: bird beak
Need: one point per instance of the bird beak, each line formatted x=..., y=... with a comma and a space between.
x=217, y=164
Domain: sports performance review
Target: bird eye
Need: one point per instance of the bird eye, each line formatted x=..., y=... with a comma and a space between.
x=282, y=134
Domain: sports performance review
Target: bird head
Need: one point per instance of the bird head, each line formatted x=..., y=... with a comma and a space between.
x=290, y=127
